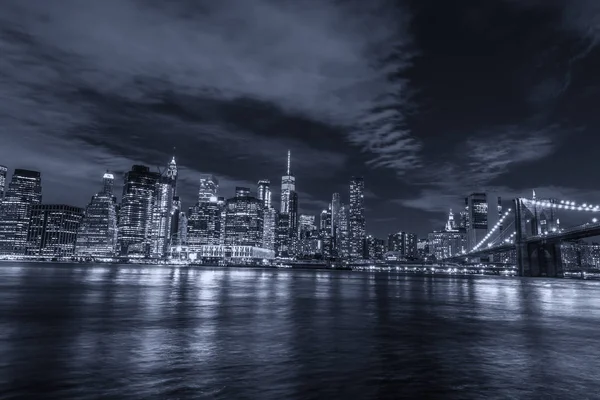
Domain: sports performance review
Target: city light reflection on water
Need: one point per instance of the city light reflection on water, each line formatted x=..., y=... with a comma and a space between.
x=129, y=332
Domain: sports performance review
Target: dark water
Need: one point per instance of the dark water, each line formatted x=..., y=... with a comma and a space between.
x=90, y=332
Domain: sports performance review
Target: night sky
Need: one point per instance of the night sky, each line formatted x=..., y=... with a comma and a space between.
x=426, y=99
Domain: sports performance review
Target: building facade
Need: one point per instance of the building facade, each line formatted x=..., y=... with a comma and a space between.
x=97, y=235
x=243, y=220
x=269, y=228
x=205, y=224
x=483, y=210
x=209, y=187
x=162, y=211
x=24, y=191
x=403, y=243
x=135, y=213
x=3, y=175
x=264, y=192
x=53, y=230
x=356, y=218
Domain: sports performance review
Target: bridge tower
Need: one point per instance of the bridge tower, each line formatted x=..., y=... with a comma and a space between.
x=540, y=258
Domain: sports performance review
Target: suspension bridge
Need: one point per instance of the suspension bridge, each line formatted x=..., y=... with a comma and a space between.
x=529, y=235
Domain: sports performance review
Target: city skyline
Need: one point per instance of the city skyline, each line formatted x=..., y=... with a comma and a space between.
x=477, y=108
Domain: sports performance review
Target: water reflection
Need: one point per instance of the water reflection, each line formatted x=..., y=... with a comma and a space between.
x=134, y=332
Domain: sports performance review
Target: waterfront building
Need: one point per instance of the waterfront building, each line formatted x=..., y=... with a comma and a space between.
x=213, y=254
x=162, y=211
x=135, y=214
x=97, y=235
x=205, y=223
x=269, y=228
x=376, y=248
x=243, y=220
x=356, y=218
x=403, y=243
x=24, y=191
x=308, y=236
x=53, y=230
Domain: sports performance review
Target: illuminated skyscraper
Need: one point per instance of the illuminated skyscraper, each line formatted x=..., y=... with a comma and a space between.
x=356, y=218
x=264, y=192
x=335, y=208
x=53, y=230
x=97, y=235
x=205, y=223
x=162, y=211
x=288, y=185
x=327, y=242
x=24, y=191
x=403, y=243
x=481, y=216
x=135, y=214
x=243, y=220
x=3, y=174
x=269, y=228
x=343, y=242
x=209, y=187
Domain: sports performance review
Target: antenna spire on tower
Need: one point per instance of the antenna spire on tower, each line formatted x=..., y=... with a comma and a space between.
x=289, y=162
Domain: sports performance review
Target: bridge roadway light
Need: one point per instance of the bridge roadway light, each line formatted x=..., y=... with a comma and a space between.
x=594, y=220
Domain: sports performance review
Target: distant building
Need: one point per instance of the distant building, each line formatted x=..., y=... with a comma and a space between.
x=24, y=191
x=209, y=187
x=162, y=211
x=135, y=213
x=483, y=212
x=97, y=235
x=403, y=243
x=269, y=228
x=211, y=254
x=264, y=192
x=308, y=238
x=243, y=220
x=3, y=174
x=376, y=248
x=327, y=243
x=343, y=241
x=205, y=223
x=450, y=242
x=356, y=218
x=422, y=248
x=53, y=230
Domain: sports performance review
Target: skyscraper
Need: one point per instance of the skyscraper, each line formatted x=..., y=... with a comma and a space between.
x=481, y=216
x=343, y=242
x=209, y=186
x=264, y=192
x=335, y=208
x=162, y=211
x=97, y=235
x=403, y=243
x=205, y=223
x=269, y=228
x=288, y=185
x=24, y=191
x=243, y=220
x=135, y=214
x=53, y=230
x=356, y=218
x=3, y=174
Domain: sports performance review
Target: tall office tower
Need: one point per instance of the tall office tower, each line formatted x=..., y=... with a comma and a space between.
x=451, y=223
x=176, y=213
x=325, y=236
x=209, y=186
x=376, y=248
x=335, y=208
x=205, y=223
x=135, y=213
x=464, y=220
x=162, y=211
x=343, y=243
x=264, y=192
x=269, y=228
x=24, y=191
x=3, y=174
x=308, y=236
x=481, y=217
x=243, y=220
x=53, y=230
x=282, y=236
x=356, y=218
x=288, y=185
x=97, y=235
x=325, y=219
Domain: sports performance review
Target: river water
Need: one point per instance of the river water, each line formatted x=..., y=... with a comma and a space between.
x=137, y=332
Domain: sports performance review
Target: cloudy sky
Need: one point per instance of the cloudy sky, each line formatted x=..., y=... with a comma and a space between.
x=426, y=99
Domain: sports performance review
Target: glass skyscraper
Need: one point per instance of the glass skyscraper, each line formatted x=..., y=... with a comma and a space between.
x=97, y=236
x=264, y=192
x=135, y=214
x=243, y=220
x=356, y=218
x=53, y=230
x=483, y=212
x=162, y=211
x=205, y=223
x=288, y=185
x=209, y=186
x=24, y=191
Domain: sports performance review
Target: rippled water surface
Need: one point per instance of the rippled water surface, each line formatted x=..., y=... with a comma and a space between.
x=135, y=332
